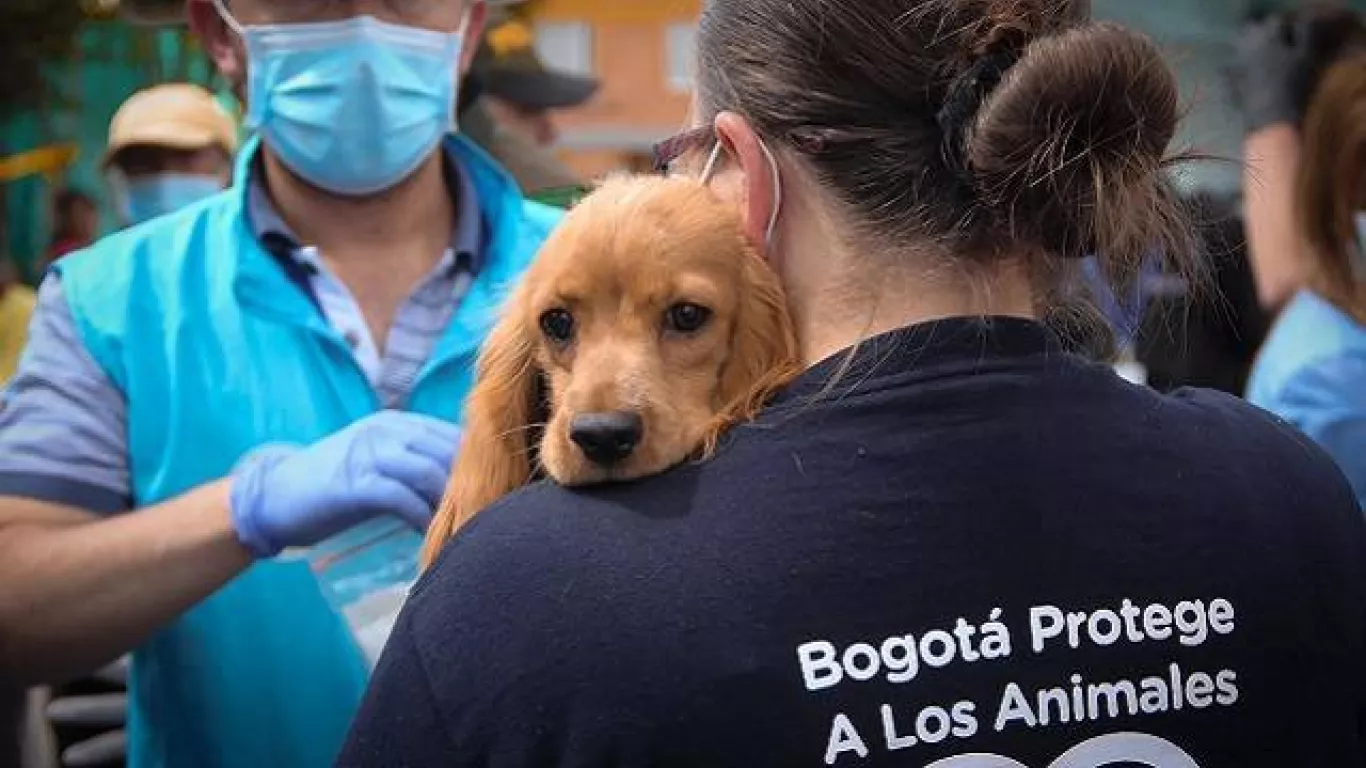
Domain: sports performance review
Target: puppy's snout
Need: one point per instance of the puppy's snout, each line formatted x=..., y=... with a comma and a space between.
x=606, y=438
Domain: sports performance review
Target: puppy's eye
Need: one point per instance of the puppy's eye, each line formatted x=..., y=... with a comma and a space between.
x=686, y=317
x=558, y=325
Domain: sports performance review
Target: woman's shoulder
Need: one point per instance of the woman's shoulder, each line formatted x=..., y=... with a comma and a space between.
x=541, y=565
x=1269, y=450
x=1236, y=421
x=548, y=528
x=543, y=532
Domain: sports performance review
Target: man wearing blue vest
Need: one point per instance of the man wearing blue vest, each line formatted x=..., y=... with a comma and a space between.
x=260, y=370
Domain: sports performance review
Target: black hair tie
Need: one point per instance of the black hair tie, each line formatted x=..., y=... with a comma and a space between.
x=965, y=98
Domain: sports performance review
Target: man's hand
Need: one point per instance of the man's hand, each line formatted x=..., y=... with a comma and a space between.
x=390, y=463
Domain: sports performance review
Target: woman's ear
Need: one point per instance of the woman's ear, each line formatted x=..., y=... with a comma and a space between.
x=500, y=422
x=763, y=356
x=758, y=191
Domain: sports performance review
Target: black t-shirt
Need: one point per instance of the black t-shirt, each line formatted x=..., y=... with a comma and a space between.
x=972, y=545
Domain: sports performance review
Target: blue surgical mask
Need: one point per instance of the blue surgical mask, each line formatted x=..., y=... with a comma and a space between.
x=147, y=197
x=354, y=106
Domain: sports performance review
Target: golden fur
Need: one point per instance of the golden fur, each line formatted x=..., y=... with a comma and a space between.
x=620, y=265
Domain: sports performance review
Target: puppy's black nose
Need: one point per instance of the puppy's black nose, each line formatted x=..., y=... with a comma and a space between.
x=606, y=438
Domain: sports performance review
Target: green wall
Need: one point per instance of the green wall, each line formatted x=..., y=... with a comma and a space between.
x=112, y=60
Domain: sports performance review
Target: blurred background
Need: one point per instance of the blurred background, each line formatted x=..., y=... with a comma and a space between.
x=69, y=64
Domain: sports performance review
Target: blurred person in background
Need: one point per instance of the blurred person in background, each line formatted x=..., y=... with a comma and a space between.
x=521, y=92
x=169, y=146
x=257, y=373
x=506, y=103
x=1280, y=60
x=16, y=307
x=1312, y=369
x=75, y=223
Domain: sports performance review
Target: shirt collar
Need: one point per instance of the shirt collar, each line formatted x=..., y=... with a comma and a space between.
x=467, y=240
x=929, y=349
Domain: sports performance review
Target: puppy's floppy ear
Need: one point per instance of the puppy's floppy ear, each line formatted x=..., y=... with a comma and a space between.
x=763, y=355
x=500, y=422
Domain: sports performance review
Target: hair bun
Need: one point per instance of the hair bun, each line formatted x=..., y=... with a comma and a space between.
x=1068, y=151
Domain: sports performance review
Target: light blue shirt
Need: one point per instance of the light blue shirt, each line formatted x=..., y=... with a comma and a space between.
x=1312, y=373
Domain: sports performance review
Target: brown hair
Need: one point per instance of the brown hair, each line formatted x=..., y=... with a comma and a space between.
x=990, y=127
x=1332, y=183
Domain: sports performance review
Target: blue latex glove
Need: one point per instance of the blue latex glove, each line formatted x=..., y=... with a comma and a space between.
x=389, y=463
x=1123, y=313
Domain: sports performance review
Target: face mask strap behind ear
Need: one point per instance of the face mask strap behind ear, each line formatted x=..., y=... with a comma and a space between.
x=777, y=193
x=710, y=169
x=226, y=16
x=223, y=13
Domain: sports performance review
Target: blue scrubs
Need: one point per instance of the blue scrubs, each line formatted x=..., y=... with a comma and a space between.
x=1312, y=373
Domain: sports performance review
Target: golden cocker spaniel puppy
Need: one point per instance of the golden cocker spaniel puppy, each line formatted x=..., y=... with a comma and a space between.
x=647, y=326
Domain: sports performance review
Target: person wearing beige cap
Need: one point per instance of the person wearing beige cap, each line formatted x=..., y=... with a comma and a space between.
x=506, y=104
x=522, y=92
x=169, y=146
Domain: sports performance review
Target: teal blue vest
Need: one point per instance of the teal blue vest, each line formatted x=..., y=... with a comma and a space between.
x=218, y=352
